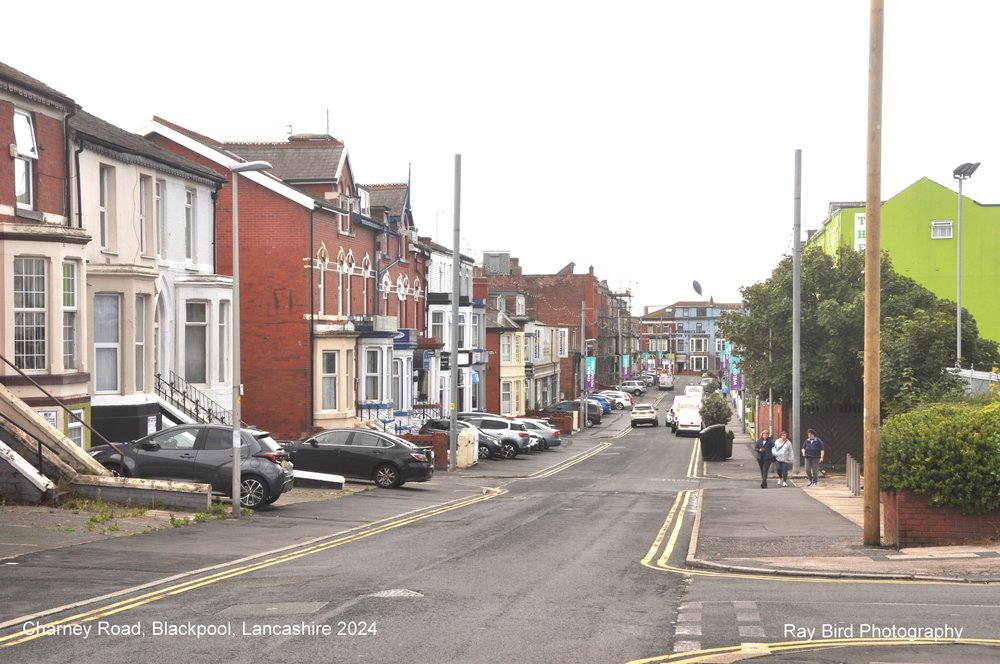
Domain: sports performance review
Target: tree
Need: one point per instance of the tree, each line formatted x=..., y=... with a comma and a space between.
x=714, y=410
x=916, y=345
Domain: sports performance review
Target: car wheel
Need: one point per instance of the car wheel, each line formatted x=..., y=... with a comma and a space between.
x=637, y=392
x=117, y=470
x=387, y=476
x=253, y=492
x=619, y=406
x=509, y=451
x=484, y=452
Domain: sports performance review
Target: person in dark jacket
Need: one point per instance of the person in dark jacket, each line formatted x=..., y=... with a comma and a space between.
x=763, y=449
x=813, y=450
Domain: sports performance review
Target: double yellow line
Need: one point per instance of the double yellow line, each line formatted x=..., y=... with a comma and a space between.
x=762, y=649
x=559, y=467
x=324, y=544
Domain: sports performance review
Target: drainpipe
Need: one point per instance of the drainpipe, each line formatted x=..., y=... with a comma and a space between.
x=312, y=329
x=79, y=189
x=69, y=188
x=215, y=244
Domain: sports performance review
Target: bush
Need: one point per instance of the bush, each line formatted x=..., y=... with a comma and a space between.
x=949, y=454
x=715, y=410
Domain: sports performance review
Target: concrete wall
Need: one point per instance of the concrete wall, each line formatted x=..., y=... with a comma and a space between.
x=145, y=493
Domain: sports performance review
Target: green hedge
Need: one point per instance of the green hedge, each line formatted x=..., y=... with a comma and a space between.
x=950, y=454
x=714, y=410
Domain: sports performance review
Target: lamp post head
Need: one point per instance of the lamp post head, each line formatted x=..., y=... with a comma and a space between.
x=258, y=166
x=965, y=171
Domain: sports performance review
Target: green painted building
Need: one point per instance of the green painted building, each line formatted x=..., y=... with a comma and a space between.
x=919, y=231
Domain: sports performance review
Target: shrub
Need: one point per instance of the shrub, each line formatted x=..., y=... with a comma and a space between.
x=949, y=454
x=714, y=410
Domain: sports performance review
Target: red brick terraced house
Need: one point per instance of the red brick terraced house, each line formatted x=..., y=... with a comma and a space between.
x=325, y=282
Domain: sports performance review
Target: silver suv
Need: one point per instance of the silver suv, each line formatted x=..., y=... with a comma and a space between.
x=635, y=387
x=513, y=435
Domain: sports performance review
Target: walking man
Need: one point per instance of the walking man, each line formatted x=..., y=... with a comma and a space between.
x=763, y=449
x=813, y=450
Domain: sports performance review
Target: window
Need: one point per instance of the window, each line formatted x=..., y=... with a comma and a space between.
x=563, y=342
x=699, y=363
x=161, y=220
x=107, y=347
x=718, y=345
x=329, y=379
x=195, y=342
x=189, y=224
x=106, y=207
x=140, y=342
x=516, y=405
x=223, y=341
x=373, y=373
x=680, y=327
x=702, y=312
x=519, y=305
x=145, y=220
x=518, y=344
x=344, y=203
x=74, y=429
x=397, y=383
x=505, y=390
x=680, y=345
x=940, y=230
x=505, y=348
x=437, y=325
x=24, y=162
x=697, y=345
x=698, y=327
x=475, y=330
x=349, y=370
x=29, y=313
x=461, y=331
x=69, y=316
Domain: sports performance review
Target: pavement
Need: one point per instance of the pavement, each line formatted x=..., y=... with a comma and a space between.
x=800, y=530
x=739, y=527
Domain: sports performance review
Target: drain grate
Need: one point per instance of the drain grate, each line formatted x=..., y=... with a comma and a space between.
x=396, y=592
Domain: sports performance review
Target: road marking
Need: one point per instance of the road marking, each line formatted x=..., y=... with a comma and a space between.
x=675, y=522
x=758, y=649
x=693, y=463
x=563, y=465
x=228, y=572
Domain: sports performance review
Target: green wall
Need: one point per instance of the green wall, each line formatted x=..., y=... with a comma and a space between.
x=933, y=263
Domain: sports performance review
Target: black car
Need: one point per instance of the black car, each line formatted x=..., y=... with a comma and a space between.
x=203, y=453
x=490, y=447
x=365, y=454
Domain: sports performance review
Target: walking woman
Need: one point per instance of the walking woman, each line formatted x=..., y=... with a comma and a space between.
x=783, y=457
x=763, y=449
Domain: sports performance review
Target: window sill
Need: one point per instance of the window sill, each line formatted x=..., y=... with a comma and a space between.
x=108, y=252
x=27, y=213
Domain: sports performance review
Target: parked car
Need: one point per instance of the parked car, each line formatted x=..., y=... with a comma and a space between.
x=549, y=434
x=620, y=400
x=364, y=454
x=594, y=413
x=203, y=453
x=512, y=434
x=635, y=387
x=649, y=379
x=604, y=403
x=644, y=413
x=490, y=447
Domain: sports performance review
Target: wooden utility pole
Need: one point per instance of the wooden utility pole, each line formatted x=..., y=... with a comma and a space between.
x=873, y=287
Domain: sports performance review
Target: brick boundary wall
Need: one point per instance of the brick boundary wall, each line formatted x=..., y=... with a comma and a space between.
x=910, y=521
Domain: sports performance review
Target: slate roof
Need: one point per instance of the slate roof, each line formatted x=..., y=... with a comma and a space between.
x=389, y=196
x=97, y=132
x=297, y=161
x=30, y=84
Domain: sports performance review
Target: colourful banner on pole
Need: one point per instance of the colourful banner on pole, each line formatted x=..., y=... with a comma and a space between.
x=589, y=383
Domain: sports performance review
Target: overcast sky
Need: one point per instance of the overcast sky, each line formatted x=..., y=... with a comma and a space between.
x=652, y=140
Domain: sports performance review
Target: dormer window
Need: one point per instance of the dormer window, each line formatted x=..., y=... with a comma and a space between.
x=519, y=306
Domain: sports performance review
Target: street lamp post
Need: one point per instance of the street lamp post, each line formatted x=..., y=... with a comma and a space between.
x=237, y=384
x=961, y=173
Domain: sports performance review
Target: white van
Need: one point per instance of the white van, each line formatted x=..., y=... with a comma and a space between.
x=688, y=421
x=665, y=381
x=696, y=391
x=681, y=402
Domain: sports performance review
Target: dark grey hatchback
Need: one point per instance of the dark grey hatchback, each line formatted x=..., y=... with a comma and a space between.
x=203, y=453
x=365, y=454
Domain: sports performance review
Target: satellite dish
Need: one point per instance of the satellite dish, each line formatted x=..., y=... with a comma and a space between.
x=697, y=287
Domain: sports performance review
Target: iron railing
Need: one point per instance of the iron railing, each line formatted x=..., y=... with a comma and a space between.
x=191, y=401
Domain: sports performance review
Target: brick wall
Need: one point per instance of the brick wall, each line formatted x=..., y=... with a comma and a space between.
x=910, y=521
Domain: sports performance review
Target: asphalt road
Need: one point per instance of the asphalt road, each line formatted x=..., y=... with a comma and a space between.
x=550, y=558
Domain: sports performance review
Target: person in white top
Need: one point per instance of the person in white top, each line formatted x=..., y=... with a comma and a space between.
x=783, y=457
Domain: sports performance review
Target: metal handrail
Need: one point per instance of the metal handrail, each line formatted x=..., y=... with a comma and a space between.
x=191, y=401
